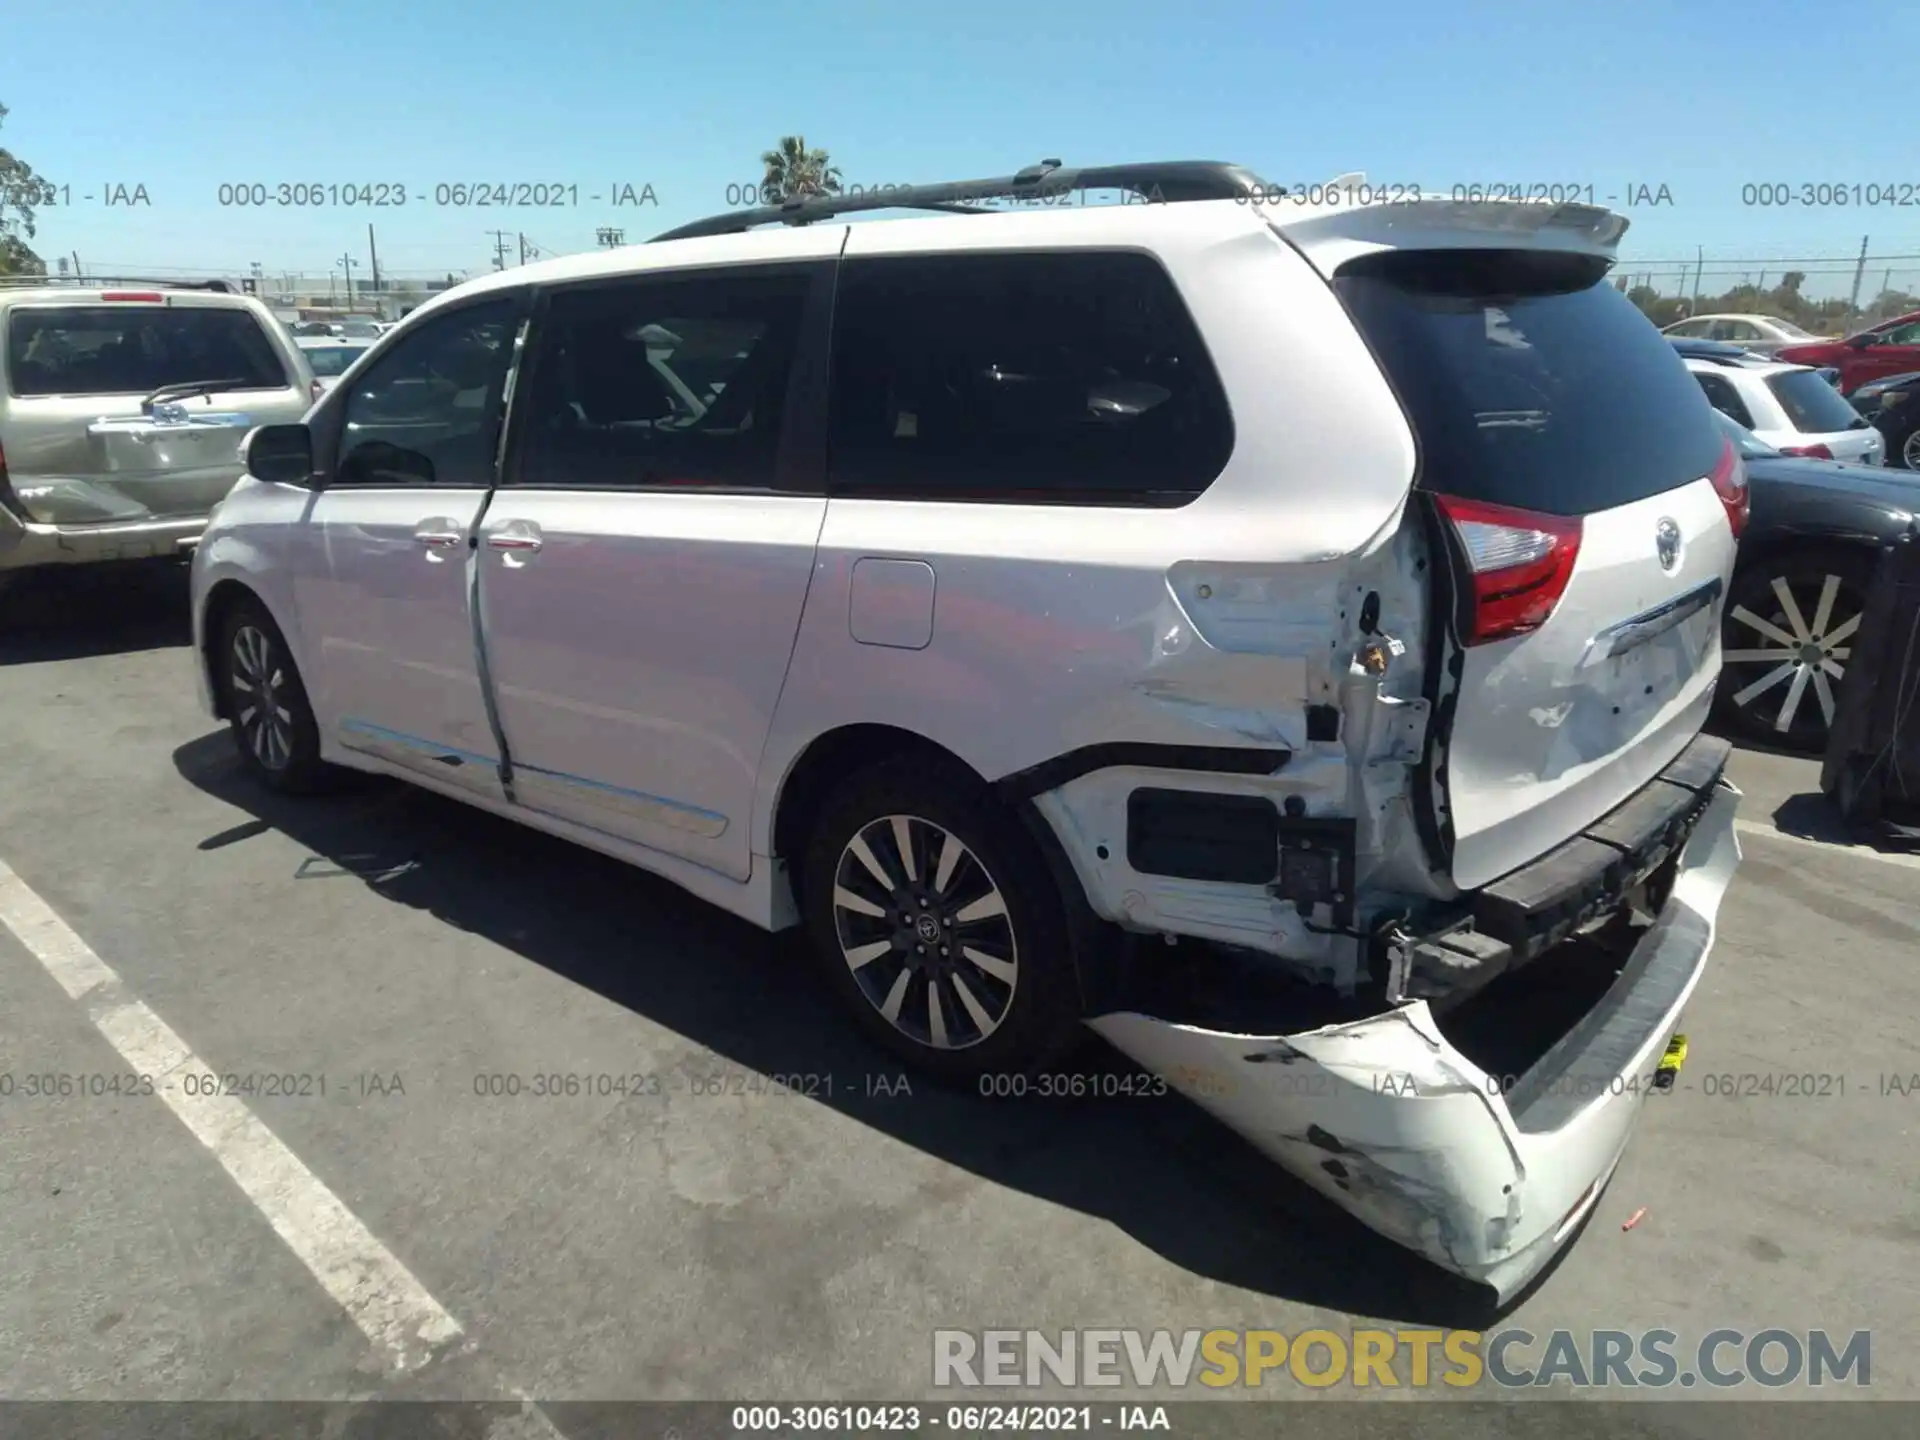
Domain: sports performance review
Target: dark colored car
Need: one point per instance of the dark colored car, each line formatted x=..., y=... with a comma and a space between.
x=1800, y=585
x=1889, y=348
x=1892, y=403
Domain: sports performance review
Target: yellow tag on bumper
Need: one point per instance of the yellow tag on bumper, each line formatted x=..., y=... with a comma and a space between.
x=1670, y=1063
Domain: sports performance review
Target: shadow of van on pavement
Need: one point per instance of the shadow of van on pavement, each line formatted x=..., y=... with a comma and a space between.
x=1154, y=1166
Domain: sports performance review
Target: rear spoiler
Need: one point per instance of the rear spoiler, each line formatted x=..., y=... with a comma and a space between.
x=1330, y=238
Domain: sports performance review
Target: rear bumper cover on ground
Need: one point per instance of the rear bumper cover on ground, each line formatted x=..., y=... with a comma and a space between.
x=1389, y=1120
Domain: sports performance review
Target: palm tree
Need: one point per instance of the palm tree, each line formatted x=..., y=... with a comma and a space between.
x=793, y=170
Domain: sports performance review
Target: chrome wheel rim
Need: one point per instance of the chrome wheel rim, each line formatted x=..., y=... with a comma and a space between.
x=1787, y=666
x=924, y=928
x=1910, y=450
x=259, y=692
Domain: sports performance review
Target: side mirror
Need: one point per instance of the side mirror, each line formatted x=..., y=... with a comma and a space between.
x=279, y=454
x=1859, y=342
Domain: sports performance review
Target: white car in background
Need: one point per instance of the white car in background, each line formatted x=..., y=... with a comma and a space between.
x=1762, y=334
x=331, y=357
x=1793, y=408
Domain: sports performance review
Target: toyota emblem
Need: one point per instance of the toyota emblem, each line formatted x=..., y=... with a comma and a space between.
x=1666, y=543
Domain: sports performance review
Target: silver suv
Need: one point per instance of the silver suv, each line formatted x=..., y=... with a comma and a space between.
x=122, y=413
x=1275, y=634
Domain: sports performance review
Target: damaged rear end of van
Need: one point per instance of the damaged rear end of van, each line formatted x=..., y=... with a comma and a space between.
x=1488, y=932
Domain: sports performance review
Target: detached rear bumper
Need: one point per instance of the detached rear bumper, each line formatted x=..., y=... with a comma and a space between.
x=1388, y=1119
x=27, y=543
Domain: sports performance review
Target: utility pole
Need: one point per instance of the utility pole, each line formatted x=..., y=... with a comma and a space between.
x=1859, y=269
x=1699, y=264
x=523, y=249
x=373, y=259
x=499, y=249
x=347, y=262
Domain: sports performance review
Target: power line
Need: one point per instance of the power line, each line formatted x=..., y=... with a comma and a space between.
x=1846, y=262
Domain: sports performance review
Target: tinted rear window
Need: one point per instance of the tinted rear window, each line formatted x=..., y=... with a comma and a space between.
x=1530, y=380
x=1075, y=378
x=135, y=349
x=1813, y=406
x=330, y=360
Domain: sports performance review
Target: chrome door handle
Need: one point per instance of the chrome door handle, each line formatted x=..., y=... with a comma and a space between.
x=516, y=535
x=438, y=534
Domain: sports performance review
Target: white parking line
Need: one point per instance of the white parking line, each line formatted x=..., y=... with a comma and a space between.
x=1862, y=852
x=390, y=1306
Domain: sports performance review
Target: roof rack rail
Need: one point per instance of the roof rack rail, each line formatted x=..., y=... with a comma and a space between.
x=97, y=282
x=1170, y=181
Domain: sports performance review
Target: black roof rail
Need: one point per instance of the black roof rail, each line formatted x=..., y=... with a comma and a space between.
x=96, y=282
x=1169, y=181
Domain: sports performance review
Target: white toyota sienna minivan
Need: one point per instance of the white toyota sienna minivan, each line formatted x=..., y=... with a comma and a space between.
x=1274, y=634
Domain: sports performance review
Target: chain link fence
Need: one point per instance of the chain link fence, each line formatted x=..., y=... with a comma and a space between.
x=1827, y=294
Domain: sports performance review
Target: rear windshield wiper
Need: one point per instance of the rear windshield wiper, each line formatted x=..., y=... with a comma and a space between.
x=186, y=389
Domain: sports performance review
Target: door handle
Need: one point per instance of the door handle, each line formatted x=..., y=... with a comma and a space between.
x=516, y=535
x=439, y=533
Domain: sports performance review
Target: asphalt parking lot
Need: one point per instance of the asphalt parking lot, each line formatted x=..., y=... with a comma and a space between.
x=720, y=1239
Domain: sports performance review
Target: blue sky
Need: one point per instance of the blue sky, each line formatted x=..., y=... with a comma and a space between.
x=1695, y=95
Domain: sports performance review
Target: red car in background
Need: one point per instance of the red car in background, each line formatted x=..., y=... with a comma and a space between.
x=1888, y=348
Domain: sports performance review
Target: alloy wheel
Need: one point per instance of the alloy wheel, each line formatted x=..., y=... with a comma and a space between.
x=259, y=678
x=1789, y=682
x=924, y=928
x=1910, y=450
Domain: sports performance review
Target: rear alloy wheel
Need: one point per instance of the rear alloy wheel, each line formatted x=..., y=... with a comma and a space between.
x=1786, y=640
x=939, y=924
x=923, y=926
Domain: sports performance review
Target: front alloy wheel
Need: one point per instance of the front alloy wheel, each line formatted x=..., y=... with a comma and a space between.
x=1787, y=639
x=924, y=929
x=274, y=731
x=258, y=677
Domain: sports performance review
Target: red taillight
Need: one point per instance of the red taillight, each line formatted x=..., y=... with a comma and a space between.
x=1730, y=484
x=1521, y=562
x=1810, y=452
x=152, y=297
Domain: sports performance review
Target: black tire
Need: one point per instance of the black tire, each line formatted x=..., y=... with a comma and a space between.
x=281, y=752
x=1014, y=1018
x=1764, y=680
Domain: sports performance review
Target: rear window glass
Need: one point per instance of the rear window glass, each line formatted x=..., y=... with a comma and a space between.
x=1530, y=380
x=330, y=360
x=1813, y=406
x=1044, y=379
x=136, y=349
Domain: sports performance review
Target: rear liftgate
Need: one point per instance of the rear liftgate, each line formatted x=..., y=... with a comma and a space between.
x=1483, y=1172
